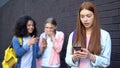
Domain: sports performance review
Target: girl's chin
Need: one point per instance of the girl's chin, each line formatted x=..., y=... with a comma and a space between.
x=30, y=32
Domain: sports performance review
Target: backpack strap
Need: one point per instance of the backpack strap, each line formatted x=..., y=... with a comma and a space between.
x=73, y=38
x=74, y=34
x=20, y=40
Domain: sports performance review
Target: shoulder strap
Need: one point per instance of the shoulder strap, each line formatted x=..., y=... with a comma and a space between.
x=74, y=34
x=20, y=40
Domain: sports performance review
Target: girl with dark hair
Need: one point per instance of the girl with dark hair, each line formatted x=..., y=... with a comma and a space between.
x=51, y=42
x=27, y=52
x=88, y=46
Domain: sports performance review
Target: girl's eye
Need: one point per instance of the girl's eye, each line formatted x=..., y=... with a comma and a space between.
x=49, y=27
x=46, y=27
x=89, y=15
x=82, y=16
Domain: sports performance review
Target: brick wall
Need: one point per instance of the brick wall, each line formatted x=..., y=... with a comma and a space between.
x=65, y=12
x=109, y=13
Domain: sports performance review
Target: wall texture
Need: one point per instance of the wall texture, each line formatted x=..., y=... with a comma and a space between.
x=65, y=12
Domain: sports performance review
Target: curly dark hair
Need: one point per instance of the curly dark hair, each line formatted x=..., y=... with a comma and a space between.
x=21, y=27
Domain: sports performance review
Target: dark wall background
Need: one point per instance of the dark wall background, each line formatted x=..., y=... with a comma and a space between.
x=65, y=12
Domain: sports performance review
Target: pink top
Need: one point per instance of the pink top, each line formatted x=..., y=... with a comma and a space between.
x=85, y=63
x=56, y=49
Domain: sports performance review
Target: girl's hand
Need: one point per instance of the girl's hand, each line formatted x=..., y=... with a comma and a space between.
x=52, y=35
x=33, y=40
x=76, y=56
x=83, y=53
x=86, y=54
x=44, y=43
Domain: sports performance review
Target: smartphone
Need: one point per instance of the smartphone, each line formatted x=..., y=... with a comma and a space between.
x=76, y=48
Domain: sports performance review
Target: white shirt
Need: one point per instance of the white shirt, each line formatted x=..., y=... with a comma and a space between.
x=26, y=60
x=47, y=52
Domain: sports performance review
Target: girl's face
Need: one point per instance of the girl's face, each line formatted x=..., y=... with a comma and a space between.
x=30, y=26
x=86, y=18
x=49, y=28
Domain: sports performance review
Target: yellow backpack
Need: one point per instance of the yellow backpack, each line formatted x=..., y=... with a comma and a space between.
x=10, y=56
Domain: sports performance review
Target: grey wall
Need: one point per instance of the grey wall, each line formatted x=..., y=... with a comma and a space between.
x=3, y=2
x=65, y=12
x=109, y=12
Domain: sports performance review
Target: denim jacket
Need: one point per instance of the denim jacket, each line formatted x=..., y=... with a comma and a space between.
x=21, y=50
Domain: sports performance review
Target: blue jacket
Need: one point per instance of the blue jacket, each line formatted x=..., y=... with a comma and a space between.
x=21, y=50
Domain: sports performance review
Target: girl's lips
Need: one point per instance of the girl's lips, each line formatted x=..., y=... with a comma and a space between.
x=86, y=24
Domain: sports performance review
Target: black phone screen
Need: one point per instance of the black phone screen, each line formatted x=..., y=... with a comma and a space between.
x=76, y=48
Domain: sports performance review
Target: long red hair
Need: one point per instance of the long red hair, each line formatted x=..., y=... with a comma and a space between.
x=80, y=38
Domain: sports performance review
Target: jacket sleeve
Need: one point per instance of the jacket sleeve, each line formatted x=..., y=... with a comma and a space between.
x=69, y=55
x=38, y=51
x=20, y=50
x=57, y=46
x=104, y=59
